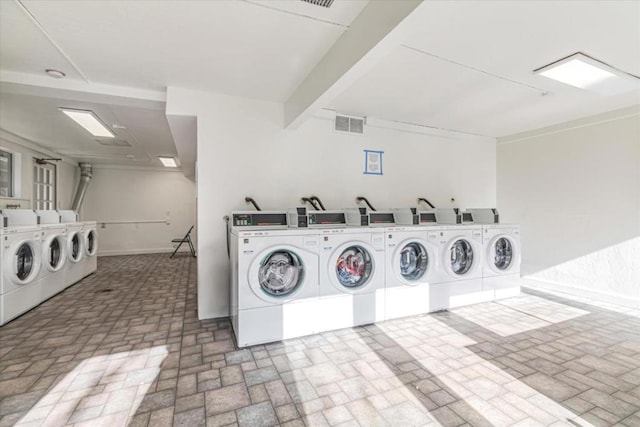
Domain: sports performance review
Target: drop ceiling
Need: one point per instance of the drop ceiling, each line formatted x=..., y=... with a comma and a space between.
x=464, y=66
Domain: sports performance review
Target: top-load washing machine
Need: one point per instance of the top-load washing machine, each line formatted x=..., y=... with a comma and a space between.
x=74, y=270
x=90, y=246
x=54, y=253
x=274, y=278
x=413, y=264
x=502, y=258
x=20, y=254
x=461, y=250
x=352, y=264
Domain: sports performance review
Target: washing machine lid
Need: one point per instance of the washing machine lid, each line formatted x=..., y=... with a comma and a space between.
x=354, y=266
x=461, y=256
x=23, y=262
x=91, y=242
x=54, y=253
x=280, y=273
x=74, y=249
x=413, y=261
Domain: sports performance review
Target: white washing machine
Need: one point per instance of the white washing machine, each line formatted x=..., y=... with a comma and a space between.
x=502, y=258
x=54, y=253
x=276, y=284
x=74, y=270
x=352, y=264
x=412, y=265
x=460, y=283
x=90, y=247
x=20, y=256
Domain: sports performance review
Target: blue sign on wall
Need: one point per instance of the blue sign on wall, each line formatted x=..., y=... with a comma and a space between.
x=373, y=162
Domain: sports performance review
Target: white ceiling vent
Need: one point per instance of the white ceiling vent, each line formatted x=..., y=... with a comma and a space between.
x=323, y=3
x=113, y=142
x=349, y=124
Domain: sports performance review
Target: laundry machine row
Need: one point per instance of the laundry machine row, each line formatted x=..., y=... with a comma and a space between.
x=320, y=274
x=41, y=254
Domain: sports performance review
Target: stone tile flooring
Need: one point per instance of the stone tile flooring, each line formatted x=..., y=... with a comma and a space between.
x=124, y=346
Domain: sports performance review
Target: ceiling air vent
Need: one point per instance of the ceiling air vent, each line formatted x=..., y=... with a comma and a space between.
x=323, y=3
x=113, y=142
x=349, y=124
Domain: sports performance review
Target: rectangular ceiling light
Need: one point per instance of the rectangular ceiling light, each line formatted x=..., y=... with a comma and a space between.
x=168, y=162
x=88, y=120
x=584, y=72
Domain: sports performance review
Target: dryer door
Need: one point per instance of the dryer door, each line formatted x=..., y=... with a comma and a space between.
x=24, y=262
x=74, y=246
x=461, y=257
x=353, y=267
x=53, y=253
x=90, y=242
x=412, y=261
x=277, y=275
x=502, y=255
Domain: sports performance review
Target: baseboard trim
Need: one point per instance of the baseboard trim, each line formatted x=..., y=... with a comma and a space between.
x=618, y=299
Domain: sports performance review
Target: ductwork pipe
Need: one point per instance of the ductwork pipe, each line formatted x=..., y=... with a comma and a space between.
x=86, y=173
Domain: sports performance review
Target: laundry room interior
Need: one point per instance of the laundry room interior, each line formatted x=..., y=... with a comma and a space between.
x=320, y=212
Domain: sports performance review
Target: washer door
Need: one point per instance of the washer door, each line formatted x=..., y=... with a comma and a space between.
x=74, y=246
x=502, y=254
x=90, y=242
x=24, y=262
x=459, y=257
x=54, y=253
x=351, y=267
x=412, y=261
x=277, y=275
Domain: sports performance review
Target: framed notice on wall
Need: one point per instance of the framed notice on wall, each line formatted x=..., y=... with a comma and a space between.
x=373, y=162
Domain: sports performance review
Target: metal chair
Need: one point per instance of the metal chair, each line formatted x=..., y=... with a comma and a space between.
x=186, y=239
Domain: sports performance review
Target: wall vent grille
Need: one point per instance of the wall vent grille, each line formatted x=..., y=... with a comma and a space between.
x=349, y=124
x=323, y=3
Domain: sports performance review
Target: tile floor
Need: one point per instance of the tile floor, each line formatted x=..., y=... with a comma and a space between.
x=124, y=346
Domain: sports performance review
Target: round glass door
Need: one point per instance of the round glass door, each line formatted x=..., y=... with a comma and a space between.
x=75, y=247
x=54, y=253
x=91, y=242
x=461, y=257
x=354, y=267
x=280, y=273
x=24, y=261
x=503, y=254
x=414, y=261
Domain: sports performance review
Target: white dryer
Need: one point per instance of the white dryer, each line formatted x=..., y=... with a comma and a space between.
x=352, y=264
x=54, y=253
x=74, y=270
x=20, y=255
x=90, y=247
x=412, y=265
x=275, y=288
x=501, y=267
x=460, y=284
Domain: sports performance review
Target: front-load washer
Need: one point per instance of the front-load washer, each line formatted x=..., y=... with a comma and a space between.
x=54, y=253
x=502, y=258
x=74, y=270
x=274, y=286
x=351, y=277
x=462, y=257
x=20, y=255
x=412, y=265
x=90, y=246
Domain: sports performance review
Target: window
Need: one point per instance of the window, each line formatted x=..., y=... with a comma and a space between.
x=6, y=174
x=44, y=186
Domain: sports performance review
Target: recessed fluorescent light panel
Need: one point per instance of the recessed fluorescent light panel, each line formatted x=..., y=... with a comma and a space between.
x=168, y=162
x=88, y=120
x=584, y=72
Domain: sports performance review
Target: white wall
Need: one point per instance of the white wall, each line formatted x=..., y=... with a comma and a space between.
x=575, y=190
x=244, y=151
x=137, y=195
x=66, y=173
